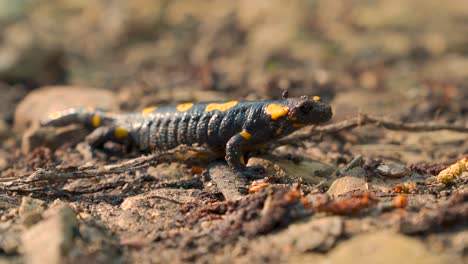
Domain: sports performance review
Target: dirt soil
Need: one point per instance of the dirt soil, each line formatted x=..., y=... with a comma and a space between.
x=363, y=195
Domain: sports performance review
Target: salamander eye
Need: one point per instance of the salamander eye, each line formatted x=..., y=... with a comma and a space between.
x=305, y=108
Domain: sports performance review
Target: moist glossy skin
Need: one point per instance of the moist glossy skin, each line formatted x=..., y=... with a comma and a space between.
x=221, y=126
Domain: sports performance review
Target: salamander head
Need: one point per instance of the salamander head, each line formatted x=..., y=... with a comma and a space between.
x=307, y=111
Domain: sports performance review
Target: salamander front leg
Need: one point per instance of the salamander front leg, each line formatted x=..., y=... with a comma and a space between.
x=235, y=156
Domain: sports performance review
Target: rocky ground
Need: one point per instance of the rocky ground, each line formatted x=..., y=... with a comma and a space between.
x=374, y=193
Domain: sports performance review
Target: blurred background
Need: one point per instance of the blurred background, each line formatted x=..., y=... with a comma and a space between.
x=406, y=58
x=402, y=59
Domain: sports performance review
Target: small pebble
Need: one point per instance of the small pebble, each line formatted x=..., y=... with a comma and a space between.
x=393, y=170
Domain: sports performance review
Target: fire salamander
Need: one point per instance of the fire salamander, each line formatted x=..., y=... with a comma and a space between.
x=231, y=127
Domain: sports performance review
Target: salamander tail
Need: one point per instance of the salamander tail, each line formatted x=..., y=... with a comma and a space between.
x=87, y=116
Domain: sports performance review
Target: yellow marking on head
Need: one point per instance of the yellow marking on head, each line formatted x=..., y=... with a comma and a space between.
x=276, y=111
x=55, y=115
x=120, y=132
x=294, y=118
x=297, y=125
x=96, y=120
x=221, y=107
x=241, y=159
x=245, y=134
x=184, y=107
x=316, y=98
x=278, y=132
x=148, y=110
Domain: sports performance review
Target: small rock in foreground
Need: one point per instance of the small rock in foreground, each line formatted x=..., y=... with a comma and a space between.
x=351, y=182
x=30, y=211
x=50, y=240
x=384, y=247
x=393, y=170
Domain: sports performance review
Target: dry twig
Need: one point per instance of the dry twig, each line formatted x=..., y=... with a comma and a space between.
x=62, y=174
x=364, y=119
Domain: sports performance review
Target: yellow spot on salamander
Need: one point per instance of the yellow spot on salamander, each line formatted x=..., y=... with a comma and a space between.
x=298, y=125
x=241, y=159
x=294, y=118
x=120, y=132
x=245, y=134
x=184, y=107
x=278, y=132
x=316, y=98
x=276, y=111
x=96, y=121
x=221, y=107
x=148, y=110
x=55, y=115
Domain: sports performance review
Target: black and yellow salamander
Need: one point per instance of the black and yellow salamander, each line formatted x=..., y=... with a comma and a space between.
x=230, y=127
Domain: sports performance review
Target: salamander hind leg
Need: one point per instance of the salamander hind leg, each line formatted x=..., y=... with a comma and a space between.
x=104, y=134
x=235, y=157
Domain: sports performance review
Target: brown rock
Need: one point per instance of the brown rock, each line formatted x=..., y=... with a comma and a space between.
x=318, y=235
x=384, y=247
x=348, y=183
x=41, y=102
x=30, y=211
x=50, y=240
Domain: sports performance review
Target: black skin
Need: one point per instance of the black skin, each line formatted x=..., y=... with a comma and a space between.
x=238, y=128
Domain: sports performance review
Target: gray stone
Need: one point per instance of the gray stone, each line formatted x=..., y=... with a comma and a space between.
x=50, y=240
x=38, y=104
x=299, y=239
x=311, y=171
x=30, y=211
x=226, y=181
x=317, y=235
x=393, y=170
x=384, y=247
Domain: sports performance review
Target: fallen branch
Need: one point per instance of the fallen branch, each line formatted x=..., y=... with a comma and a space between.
x=58, y=174
x=364, y=119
